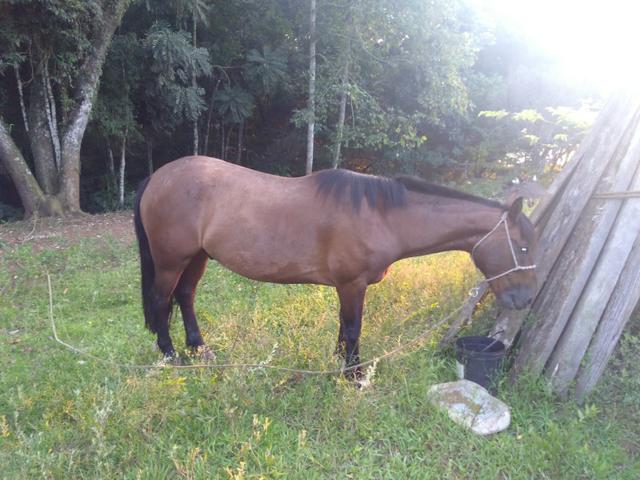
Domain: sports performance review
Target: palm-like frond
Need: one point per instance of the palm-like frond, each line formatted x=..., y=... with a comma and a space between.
x=266, y=69
x=234, y=104
x=173, y=55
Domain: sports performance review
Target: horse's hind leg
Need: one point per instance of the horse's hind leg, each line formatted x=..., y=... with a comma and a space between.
x=164, y=284
x=185, y=295
x=341, y=346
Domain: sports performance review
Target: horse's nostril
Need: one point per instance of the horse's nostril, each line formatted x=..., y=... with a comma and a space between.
x=509, y=301
x=518, y=300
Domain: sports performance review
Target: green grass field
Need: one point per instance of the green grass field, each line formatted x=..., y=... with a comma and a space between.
x=63, y=415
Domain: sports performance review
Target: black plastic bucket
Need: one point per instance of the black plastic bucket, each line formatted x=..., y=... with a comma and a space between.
x=480, y=359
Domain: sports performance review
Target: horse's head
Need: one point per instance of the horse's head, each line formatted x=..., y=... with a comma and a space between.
x=506, y=258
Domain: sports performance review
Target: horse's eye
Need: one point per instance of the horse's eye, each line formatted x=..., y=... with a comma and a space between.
x=524, y=249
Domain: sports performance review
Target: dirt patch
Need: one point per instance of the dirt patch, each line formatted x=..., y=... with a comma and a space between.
x=55, y=233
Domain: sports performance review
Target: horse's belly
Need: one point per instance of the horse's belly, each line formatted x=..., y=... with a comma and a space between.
x=264, y=270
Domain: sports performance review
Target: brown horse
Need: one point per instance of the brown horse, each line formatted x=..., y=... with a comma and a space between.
x=334, y=227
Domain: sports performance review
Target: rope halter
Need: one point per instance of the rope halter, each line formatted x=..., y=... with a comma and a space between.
x=517, y=267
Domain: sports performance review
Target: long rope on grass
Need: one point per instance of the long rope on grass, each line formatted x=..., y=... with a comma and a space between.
x=396, y=352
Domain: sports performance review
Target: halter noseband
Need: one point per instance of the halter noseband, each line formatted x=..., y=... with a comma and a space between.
x=517, y=267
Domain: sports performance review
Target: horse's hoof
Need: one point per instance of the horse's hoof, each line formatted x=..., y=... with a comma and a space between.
x=204, y=353
x=174, y=360
x=170, y=359
x=362, y=384
x=355, y=376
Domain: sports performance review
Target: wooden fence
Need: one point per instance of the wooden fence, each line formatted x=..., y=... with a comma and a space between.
x=589, y=259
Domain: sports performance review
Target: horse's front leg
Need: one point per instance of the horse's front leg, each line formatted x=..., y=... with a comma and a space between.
x=341, y=347
x=351, y=308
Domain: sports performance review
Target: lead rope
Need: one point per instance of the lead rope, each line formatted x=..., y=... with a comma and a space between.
x=249, y=366
x=398, y=351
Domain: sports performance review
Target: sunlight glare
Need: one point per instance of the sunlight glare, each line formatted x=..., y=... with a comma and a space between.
x=593, y=41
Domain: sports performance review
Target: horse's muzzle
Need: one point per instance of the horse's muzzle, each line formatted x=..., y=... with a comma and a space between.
x=517, y=298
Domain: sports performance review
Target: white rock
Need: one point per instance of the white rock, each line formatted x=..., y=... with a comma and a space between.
x=471, y=405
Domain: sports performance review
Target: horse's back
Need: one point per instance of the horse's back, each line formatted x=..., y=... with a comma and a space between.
x=255, y=223
x=189, y=186
x=261, y=226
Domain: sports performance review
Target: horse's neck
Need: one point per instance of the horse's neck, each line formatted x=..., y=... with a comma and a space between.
x=425, y=227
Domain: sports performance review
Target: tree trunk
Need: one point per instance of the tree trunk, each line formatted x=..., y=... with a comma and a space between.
x=52, y=117
x=240, y=135
x=207, y=130
x=222, y=140
x=122, y=169
x=312, y=87
x=196, y=139
x=85, y=91
x=209, y=115
x=194, y=84
x=228, y=141
x=40, y=133
x=16, y=68
x=63, y=182
x=112, y=170
x=343, y=105
x=33, y=199
x=150, y=156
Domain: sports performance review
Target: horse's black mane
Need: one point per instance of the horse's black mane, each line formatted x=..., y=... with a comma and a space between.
x=416, y=184
x=382, y=192
x=344, y=185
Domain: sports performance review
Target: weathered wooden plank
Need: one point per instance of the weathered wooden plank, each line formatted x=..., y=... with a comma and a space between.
x=624, y=299
x=581, y=325
x=593, y=157
x=574, y=267
x=509, y=322
x=549, y=198
x=606, y=140
x=464, y=316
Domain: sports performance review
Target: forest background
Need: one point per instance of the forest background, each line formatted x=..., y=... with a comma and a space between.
x=94, y=95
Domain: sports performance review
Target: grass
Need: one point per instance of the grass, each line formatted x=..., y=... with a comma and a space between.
x=65, y=416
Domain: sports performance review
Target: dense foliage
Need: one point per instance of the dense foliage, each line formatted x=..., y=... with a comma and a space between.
x=427, y=88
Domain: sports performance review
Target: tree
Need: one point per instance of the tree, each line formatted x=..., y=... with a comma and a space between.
x=167, y=93
x=311, y=105
x=396, y=88
x=234, y=105
x=387, y=72
x=114, y=115
x=343, y=105
x=196, y=11
x=264, y=72
x=66, y=44
x=530, y=141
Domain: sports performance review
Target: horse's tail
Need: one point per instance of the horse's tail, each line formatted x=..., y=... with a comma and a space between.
x=147, y=269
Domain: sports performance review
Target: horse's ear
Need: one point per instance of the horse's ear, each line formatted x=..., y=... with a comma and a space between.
x=515, y=208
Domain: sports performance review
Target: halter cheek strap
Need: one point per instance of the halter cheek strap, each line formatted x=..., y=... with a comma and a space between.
x=517, y=267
